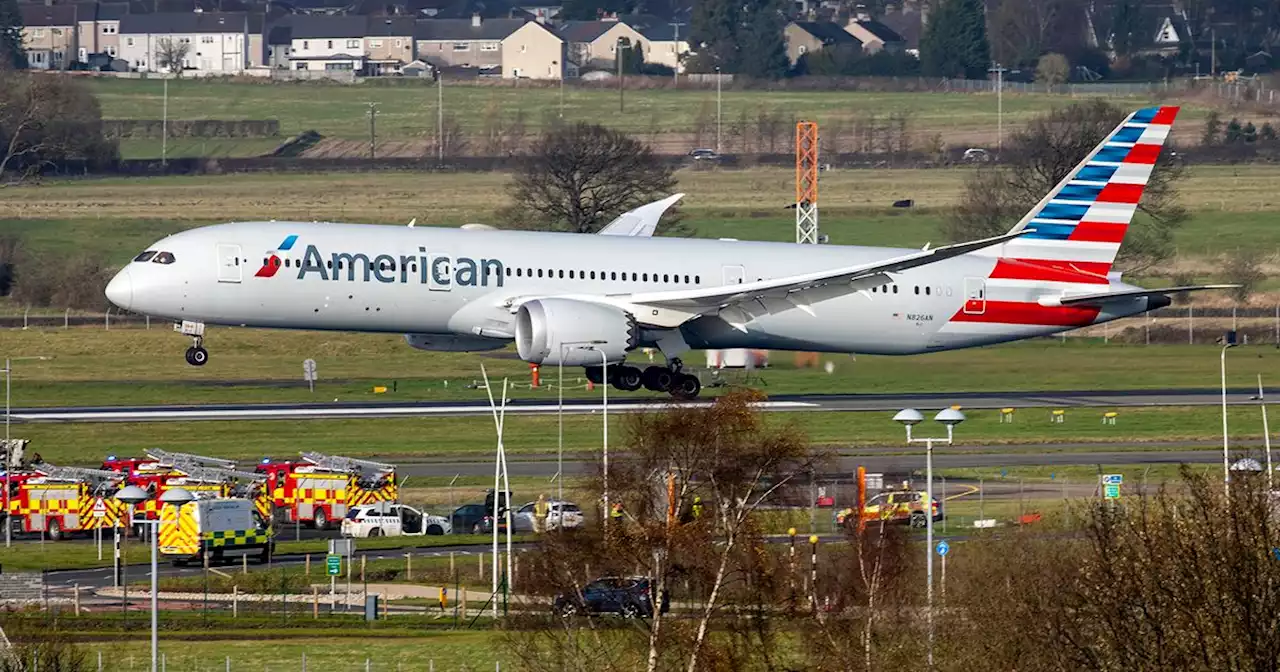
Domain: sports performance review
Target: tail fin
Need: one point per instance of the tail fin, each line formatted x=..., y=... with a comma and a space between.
x=1082, y=221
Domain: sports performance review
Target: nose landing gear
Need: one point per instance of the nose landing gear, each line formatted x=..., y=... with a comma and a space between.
x=196, y=354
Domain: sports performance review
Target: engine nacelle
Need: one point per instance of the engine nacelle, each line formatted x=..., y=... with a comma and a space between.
x=453, y=342
x=544, y=325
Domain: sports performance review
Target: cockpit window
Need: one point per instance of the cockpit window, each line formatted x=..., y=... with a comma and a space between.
x=145, y=256
x=163, y=258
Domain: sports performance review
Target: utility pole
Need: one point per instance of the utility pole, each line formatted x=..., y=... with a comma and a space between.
x=439, y=115
x=999, y=70
x=164, y=126
x=622, y=44
x=717, y=109
x=675, y=69
x=373, y=135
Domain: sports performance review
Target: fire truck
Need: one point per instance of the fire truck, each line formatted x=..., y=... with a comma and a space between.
x=205, y=477
x=58, y=501
x=320, y=489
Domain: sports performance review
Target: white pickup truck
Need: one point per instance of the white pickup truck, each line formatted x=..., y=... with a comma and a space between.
x=389, y=519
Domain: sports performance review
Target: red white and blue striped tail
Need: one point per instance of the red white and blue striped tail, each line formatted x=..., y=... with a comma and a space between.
x=1078, y=227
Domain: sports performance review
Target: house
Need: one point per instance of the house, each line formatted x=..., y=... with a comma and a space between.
x=99, y=28
x=388, y=43
x=594, y=44
x=216, y=43
x=874, y=35
x=804, y=37
x=325, y=42
x=668, y=44
x=908, y=22
x=521, y=48
x=49, y=35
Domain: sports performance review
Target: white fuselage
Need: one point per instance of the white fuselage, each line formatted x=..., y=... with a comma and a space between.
x=430, y=280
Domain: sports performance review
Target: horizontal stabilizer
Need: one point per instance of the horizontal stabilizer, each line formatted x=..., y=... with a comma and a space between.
x=1106, y=297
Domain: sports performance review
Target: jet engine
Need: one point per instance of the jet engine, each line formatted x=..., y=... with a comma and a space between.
x=453, y=342
x=543, y=326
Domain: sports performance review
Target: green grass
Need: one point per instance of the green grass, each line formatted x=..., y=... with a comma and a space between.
x=212, y=148
x=407, y=109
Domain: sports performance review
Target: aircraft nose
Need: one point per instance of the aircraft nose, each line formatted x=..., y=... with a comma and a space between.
x=120, y=289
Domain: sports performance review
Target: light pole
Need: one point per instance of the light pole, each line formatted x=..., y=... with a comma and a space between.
x=563, y=69
x=999, y=70
x=8, y=405
x=910, y=417
x=717, y=109
x=1266, y=431
x=623, y=43
x=1226, y=467
x=675, y=69
x=133, y=495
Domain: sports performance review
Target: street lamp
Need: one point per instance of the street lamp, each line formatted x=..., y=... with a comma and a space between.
x=133, y=495
x=717, y=109
x=8, y=405
x=1226, y=468
x=910, y=417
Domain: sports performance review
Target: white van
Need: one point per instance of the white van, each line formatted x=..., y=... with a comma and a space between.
x=389, y=519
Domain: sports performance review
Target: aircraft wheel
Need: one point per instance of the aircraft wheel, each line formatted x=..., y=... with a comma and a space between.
x=627, y=379
x=686, y=387
x=197, y=356
x=657, y=378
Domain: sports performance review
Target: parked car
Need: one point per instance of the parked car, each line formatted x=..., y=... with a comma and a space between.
x=389, y=519
x=704, y=155
x=467, y=517
x=977, y=155
x=557, y=511
x=628, y=596
x=519, y=524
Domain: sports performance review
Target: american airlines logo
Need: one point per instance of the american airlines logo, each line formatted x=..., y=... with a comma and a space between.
x=438, y=271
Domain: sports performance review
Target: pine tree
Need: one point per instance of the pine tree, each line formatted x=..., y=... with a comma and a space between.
x=766, y=55
x=955, y=41
x=11, y=52
x=741, y=37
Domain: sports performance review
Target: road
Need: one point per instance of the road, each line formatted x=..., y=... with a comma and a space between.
x=805, y=402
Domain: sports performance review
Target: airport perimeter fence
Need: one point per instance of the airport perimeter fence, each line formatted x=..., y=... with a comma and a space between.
x=1175, y=325
x=1256, y=91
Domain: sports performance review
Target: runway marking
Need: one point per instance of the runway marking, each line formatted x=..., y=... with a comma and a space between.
x=972, y=489
x=133, y=415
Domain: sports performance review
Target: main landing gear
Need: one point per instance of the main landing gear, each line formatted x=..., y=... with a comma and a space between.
x=670, y=379
x=196, y=354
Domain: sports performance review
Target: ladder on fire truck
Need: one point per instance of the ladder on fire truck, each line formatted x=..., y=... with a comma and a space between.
x=366, y=469
x=171, y=459
x=96, y=478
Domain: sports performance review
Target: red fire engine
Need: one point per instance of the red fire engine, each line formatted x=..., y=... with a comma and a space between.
x=320, y=489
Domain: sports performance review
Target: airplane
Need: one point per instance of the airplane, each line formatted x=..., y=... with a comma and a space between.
x=590, y=300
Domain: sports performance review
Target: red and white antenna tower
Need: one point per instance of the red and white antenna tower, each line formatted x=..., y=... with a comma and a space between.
x=807, y=182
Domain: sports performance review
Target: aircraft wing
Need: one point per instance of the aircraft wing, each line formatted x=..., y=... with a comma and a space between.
x=739, y=304
x=641, y=221
x=1105, y=297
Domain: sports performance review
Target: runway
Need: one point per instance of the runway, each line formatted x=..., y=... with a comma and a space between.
x=625, y=404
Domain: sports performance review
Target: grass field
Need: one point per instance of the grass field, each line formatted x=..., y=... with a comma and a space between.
x=409, y=108
x=1231, y=206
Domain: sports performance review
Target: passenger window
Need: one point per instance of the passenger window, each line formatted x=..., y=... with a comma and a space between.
x=917, y=290
x=697, y=279
x=613, y=275
x=593, y=275
x=571, y=275
x=167, y=258
x=145, y=256
x=539, y=272
x=561, y=274
x=646, y=277
x=520, y=272
x=895, y=289
x=926, y=291
x=666, y=278
x=686, y=279
x=508, y=271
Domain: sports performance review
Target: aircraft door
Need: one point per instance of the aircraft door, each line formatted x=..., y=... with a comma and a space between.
x=734, y=275
x=230, y=265
x=975, y=296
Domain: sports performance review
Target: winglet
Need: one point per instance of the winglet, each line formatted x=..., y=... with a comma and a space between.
x=641, y=221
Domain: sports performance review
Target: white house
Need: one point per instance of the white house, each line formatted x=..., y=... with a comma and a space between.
x=324, y=42
x=216, y=43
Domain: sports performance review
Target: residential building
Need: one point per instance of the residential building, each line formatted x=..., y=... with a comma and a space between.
x=519, y=47
x=594, y=44
x=908, y=21
x=875, y=36
x=217, y=43
x=327, y=42
x=49, y=35
x=99, y=25
x=388, y=44
x=668, y=44
x=806, y=37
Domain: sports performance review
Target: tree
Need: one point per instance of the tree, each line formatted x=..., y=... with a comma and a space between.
x=632, y=56
x=954, y=43
x=691, y=486
x=1053, y=69
x=1243, y=267
x=172, y=54
x=1039, y=156
x=740, y=37
x=12, y=54
x=580, y=176
x=46, y=122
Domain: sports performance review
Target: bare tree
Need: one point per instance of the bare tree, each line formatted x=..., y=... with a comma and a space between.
x=1243, y=267
x=46, y=121
x=1039, y=156
x=690, y=488
x=1053, y=69
x=579, y=176
x=172, y=54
